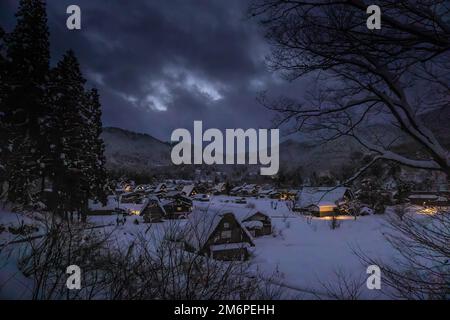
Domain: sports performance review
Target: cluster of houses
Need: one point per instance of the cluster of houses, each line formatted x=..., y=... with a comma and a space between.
x=242, y=190
x=173, y=198
x=221, y=235
x=229, y=235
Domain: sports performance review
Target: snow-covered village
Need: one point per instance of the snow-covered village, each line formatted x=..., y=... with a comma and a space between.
x=355, y=206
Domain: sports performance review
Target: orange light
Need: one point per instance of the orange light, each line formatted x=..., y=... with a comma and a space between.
x=429, y=211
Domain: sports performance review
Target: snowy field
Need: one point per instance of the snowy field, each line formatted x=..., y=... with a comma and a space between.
x=304, y=253
x=307, y=253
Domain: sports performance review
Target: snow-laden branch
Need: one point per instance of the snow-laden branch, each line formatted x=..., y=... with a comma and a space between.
x=382, y=153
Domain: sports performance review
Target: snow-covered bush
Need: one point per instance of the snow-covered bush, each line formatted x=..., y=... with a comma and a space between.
x=334, y=223
x=370, y=194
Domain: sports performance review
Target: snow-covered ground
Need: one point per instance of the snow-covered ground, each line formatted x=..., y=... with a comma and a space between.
x=307, y=253
x=304, y=253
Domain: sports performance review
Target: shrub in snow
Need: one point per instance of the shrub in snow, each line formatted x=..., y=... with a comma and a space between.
x=370, y=194
x=400, y=210
x=23, y=229
x=365, y=211
x=334, y=223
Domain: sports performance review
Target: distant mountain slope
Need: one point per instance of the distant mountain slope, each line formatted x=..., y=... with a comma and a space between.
x=439, y=122
x=137, y=151
x=142, y=152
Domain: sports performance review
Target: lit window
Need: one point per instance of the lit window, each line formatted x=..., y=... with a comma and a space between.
x=226, y=225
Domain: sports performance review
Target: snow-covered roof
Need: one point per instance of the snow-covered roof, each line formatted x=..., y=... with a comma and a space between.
x=244, y=214
x=158, y=202
x=172, y=193
x=187, y=190
x=220, y=186
x=424, y=196
x=135, y=208
x=200, y=225
x=237, y=188
x=112, y=205
x=159, y=187
x=249, y=187
x=366, y=210
x=320, y=196
x=253, y=224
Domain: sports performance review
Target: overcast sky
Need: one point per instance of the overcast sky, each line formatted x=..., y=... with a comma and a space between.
x=160, y=65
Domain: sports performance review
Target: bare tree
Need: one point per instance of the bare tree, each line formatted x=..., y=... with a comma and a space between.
x=45, y=258
x=344, y=286
x=394, y=74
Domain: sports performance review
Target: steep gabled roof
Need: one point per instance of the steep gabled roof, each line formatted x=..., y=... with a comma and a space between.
x=242, y=215
x=159, y=187
x=154, y=200
x=320, y=196
x=187, y=190
x=220, y=186
x=201, y=225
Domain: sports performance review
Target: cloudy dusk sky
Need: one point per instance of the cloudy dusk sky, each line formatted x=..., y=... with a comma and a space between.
x=161, y=65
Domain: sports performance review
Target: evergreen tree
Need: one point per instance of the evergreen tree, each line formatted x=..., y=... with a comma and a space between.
x=25, y=105
x=50, y=126
x=68, y=135
x=96, y=148
x=3, y=134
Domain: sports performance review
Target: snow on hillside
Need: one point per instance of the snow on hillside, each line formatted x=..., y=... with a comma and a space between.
x=130, y=150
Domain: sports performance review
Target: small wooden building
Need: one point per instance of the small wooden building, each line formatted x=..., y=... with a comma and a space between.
x=153, y=210
x=248, y=190
x=218, y=235
x=160, y=189
x=257, y=223
x=322, y=201
x=428, y=199
x=219, y=188
x=177, y=206
x=189, y=191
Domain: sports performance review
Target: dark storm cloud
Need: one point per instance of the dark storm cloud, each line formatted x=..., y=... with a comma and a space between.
x=160, y=65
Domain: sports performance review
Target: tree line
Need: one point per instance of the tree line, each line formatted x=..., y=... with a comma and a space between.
x=50, y=122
